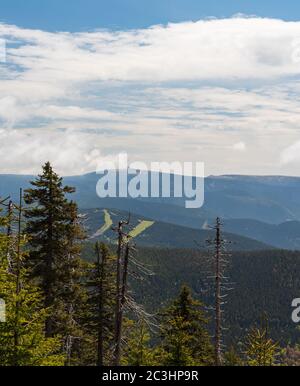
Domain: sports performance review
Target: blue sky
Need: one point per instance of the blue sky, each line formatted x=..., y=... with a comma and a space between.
x=85, y=80
x=79, y=15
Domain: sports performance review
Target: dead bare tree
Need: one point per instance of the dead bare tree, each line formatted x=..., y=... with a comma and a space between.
x=100, y=272
x=17, y=270
x=71, y=304
x=220, y=286
x=9, y=231
x=100, y=303
x=9, y=219
x=218, y=355
x=122, y=237
x=124, y=300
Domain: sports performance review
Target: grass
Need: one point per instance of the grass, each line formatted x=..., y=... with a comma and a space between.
x=106, y=226
x=143, y=225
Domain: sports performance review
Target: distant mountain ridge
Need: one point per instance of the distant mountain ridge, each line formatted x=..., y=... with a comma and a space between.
x=264, y=208
x=271, y=199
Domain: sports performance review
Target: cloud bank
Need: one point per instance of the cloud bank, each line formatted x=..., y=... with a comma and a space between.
x=225, y=92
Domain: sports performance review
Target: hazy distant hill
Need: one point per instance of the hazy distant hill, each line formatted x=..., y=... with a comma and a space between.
x=263, y=208
x=285, y=235
x=270, y=199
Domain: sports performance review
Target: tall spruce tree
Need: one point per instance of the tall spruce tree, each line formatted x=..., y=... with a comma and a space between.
x=185, y=339
x=54, y=236
x=101, y=302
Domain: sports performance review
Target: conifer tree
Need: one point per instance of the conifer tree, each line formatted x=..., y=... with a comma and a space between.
x=185, y=340
x=31, y=348
x=70, y=293
x=54, y=236
x=137, y=351
x=232, y=358
x=22, y=339
x=260, y=349
x=123, y=253
x=102, y=295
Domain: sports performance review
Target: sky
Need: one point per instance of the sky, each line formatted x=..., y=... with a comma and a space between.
x=163, y=80
x=83, y=15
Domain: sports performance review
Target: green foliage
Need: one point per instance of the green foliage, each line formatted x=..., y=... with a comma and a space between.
x=33, y=349
x=260, y=349
x=100, y=317
x=137, y=350
x=275, y=273
x=55, y=235
x=232, y=358
x=61, y=310
x=185, y=340
x=22, y=338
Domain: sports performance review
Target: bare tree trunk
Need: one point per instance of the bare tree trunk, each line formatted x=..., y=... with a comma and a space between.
x=123, y=291
x=69, y=345
x=100, y=266
x=117, y=350
x=218, y=358
x=18, y=279
x=8, y=234
x=120, y=280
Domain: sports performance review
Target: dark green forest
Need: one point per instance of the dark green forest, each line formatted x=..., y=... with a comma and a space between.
x=71, y=302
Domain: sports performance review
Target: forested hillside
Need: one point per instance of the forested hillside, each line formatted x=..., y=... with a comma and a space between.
x=72, y=299
x=147, y=232
x=260, y=282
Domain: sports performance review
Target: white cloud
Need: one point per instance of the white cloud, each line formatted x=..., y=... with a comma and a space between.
x=291, y=154
x=239, y=146
x=69, y=153
x=187, y=91
x=211, y=49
